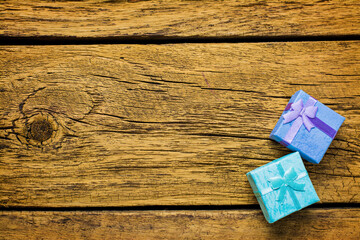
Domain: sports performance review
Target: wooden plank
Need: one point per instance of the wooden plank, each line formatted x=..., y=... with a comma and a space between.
x=230, y=224
x=169, y=18
x=130, y=125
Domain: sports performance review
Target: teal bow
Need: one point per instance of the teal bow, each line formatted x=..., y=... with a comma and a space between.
x=286, y=182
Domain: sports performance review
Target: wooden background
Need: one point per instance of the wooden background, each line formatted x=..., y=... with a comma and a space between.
x=140, y=119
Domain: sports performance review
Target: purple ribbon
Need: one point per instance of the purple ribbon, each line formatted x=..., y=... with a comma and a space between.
x=304, y=115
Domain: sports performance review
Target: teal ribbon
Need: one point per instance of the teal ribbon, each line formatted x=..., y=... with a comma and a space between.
x=286, y=183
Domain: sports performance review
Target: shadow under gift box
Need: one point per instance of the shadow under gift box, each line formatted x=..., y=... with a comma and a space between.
x=282, y=187
x=307, y=126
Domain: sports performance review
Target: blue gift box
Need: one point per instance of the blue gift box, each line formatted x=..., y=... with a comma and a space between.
x=282, y=187
x=307, y=126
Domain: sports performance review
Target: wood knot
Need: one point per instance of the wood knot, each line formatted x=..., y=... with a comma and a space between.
x=40, y=130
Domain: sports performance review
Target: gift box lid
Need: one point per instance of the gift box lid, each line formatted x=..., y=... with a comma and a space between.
x=312, y=144
x=267, y=181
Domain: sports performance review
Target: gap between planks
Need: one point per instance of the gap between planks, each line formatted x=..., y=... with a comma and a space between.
x=59, y=40
x=224, y=224
x=171, y=208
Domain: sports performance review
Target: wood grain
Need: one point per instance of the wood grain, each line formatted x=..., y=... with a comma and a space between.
x=167, y=18
x=134, y=125
x=229, y=224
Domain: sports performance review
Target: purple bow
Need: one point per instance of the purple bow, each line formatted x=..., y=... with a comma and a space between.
x=304, y=115
x=301, y=113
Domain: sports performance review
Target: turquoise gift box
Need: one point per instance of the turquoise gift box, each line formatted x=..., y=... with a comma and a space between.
x=307, y=126
x=282, y=187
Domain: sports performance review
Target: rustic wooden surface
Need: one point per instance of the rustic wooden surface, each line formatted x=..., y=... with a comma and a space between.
x=166, y=124
x=229, y=224
x=130, y=128
x=169, y=18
